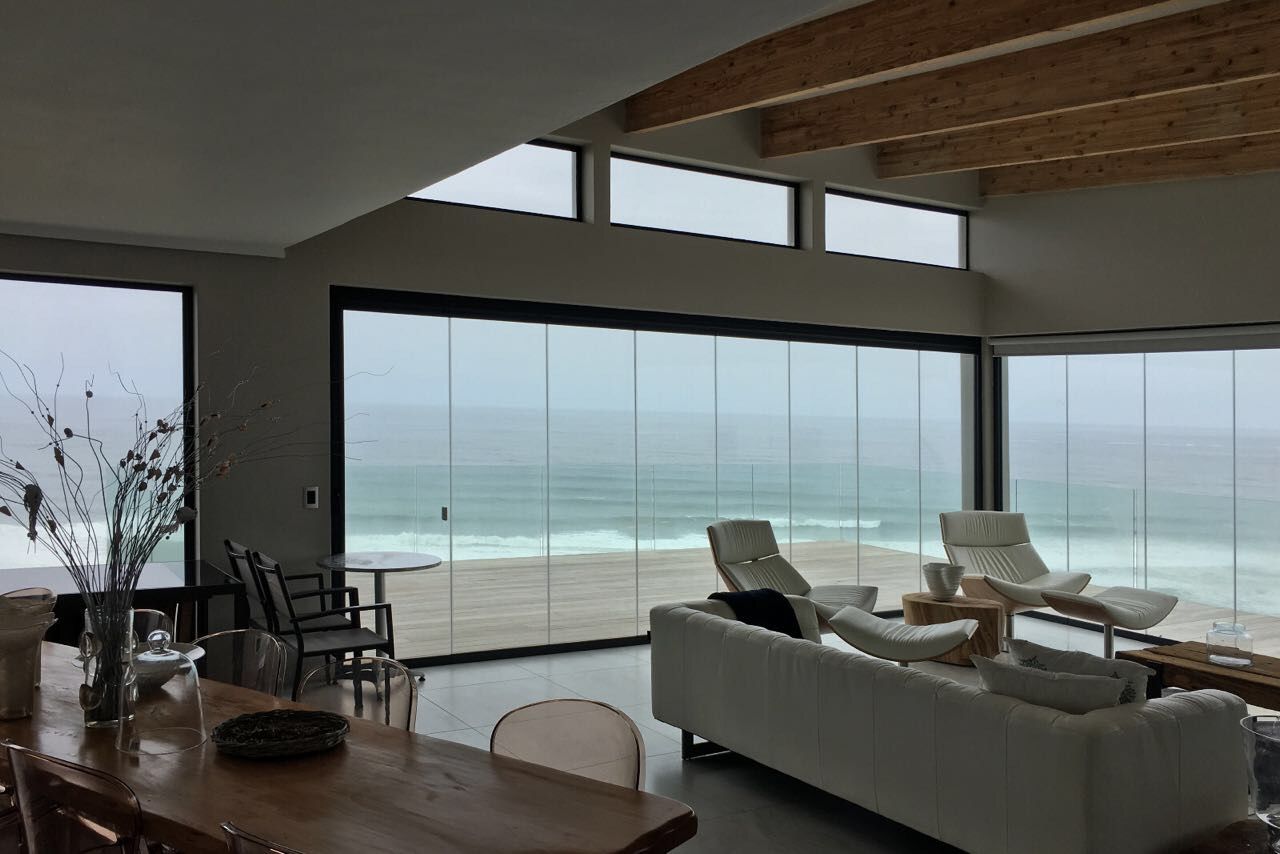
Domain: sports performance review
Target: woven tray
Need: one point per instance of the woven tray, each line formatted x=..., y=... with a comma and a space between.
x=280, y=733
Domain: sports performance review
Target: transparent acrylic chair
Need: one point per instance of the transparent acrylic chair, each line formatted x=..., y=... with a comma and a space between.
x=584, y=737
x=70, y=808
x=242, y=842
x=375, y=689
x=146, y=621
x=249, y=658
x=1262, y=747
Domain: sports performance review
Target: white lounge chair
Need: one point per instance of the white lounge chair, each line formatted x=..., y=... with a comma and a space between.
x=1002, y=564
x=894, y=641
x=747, y=558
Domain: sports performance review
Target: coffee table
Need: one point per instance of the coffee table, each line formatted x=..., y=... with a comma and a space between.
x=921, y=609
x=1186, y=665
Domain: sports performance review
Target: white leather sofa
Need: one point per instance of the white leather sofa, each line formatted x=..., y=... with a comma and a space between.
x=980, y=771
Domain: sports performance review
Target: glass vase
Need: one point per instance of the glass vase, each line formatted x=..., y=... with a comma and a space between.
x=106, y=654
x=1229, y=644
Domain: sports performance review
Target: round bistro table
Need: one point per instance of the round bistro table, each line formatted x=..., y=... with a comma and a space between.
x=921, y=609
x=379, y=563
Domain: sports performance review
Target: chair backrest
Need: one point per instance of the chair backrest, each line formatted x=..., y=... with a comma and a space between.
x=250, y=658
x=240, y=561
x=275, y=593
x=747, y=558
x=67, y=807
x=372, y=688
x=243, y=842
x=584, y=737
x=990, y=542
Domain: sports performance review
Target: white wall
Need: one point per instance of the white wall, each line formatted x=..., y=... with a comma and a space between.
x=1156, y=255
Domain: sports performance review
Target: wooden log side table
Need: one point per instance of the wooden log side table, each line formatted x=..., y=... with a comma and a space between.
x=1243, y=837
x=1187, y=665
x=921, y=609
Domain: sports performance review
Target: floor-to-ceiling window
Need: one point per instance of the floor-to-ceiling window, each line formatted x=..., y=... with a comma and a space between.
x=567, y=472
x=1154, y=470
x=135, y=364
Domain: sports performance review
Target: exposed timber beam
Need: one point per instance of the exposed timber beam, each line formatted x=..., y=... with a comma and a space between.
x=1199, y=115
x=876, y=41
x=1230, y=42
x=1237, y=156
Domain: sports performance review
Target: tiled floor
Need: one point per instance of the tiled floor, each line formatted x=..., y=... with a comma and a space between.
x=742, y=807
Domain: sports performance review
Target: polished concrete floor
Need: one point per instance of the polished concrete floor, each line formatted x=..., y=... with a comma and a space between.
x=742, y=807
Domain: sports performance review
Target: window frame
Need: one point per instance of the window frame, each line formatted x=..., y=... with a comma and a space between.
x=578, y=197
x=867, y=197
x=794, y=208
x=190, y=550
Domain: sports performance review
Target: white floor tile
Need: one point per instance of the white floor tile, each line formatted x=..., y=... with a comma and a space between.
x=433, y=719
x=618, y=686
x=565, y=663
x=477, y=673
x=484, y=704
x=469, y=737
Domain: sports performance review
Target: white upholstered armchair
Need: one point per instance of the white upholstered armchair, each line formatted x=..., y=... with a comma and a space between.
x=1002, y=565
x=747, y=558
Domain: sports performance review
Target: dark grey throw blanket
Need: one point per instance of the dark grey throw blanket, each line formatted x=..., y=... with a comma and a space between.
x=766, y=608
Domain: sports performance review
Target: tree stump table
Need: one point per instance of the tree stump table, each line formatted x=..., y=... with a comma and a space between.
x=921, y=609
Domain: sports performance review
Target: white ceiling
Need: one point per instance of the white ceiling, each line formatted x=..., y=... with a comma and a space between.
x=249, y=126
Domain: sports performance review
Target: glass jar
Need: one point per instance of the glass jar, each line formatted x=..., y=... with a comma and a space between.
x=1229, y=644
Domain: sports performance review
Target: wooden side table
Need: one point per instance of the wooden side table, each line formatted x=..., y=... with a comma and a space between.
x=921, y=609
x=1187, y=665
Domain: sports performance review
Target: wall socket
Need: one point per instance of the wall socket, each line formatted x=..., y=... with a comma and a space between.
x=311, y=498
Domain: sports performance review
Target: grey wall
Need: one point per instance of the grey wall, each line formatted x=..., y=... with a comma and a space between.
x=271, y=316
x=1156, y=255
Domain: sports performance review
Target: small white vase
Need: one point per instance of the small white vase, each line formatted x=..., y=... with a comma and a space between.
x=943, y=579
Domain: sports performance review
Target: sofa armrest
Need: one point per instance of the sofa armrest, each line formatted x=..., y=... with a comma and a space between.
x=807, y=617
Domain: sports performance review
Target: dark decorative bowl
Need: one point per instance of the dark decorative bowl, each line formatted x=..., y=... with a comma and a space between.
x=280, y=733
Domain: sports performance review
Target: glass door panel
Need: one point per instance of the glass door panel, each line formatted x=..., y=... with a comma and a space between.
x=889, y=472
x=499, y=511
x=1189, y=477
x=1036, y=437
x=397, y=464
x=824, y=462
x=591, y=394
x=1106, y=443
x=1257, y=484
x=946, y=443
x=752, y=430
x=676, y=453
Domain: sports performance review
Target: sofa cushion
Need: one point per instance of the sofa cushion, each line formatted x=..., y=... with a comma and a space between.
x=1066, y=692
x=1133, y=674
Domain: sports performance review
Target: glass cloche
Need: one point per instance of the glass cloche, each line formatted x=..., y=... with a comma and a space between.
x=161, y=711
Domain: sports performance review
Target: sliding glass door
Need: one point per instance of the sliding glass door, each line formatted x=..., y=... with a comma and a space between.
x=567, y=473
x=1154, y=470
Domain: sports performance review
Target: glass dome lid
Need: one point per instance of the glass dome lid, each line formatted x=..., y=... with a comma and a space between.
x=161, y=710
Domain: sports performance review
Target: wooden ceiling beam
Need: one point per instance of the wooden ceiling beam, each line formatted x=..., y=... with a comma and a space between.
x=872, y=42
x=1237, y=156
x=1200, y=115
x=1230, y=42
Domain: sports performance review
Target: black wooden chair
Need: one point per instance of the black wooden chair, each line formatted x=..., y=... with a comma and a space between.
x=302, y=588
x=316, y=633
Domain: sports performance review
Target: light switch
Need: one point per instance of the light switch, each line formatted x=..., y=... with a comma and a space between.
x=311, y=497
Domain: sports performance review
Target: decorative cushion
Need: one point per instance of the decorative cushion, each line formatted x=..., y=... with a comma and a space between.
x=1066, y=692
x=1131, y=673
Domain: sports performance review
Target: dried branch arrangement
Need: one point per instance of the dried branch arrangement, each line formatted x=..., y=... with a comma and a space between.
x=104, y=510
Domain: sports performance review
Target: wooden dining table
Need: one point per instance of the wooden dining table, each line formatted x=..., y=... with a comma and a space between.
x=384, y=790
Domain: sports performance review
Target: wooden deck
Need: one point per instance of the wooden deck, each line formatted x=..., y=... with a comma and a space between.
x=502, y=603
